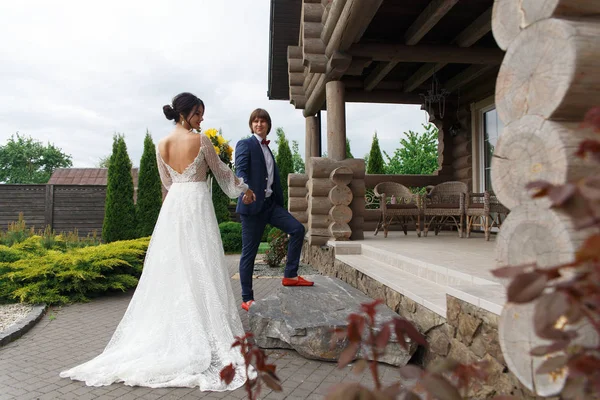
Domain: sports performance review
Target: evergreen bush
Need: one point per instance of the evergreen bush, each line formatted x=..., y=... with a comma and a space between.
x=231, y=235
x=59, y=277
x=149, y=198
x=119, y=211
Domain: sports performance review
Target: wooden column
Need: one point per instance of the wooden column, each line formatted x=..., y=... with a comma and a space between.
x=548, y=80
x=311, y=139
x=336, y=121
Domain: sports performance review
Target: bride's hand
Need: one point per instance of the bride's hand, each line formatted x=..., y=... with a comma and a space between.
x=249, y=197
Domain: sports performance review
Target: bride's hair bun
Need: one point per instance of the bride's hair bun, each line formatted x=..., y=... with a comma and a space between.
x=169, y=112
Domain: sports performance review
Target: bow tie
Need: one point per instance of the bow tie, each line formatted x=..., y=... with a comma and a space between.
x=265, y=141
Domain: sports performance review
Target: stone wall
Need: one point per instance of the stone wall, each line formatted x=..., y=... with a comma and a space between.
x=468, y=334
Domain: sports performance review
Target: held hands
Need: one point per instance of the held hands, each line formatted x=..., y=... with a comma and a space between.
x=249, y=197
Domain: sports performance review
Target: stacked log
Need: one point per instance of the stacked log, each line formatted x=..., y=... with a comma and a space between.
x=547, y=81
x=298, y=197
x=332, y=199
x=340, y=197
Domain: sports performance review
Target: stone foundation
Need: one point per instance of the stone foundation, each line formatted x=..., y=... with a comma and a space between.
x=468, y=334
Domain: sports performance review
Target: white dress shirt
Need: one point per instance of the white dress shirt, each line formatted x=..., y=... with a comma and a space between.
x=270, y=165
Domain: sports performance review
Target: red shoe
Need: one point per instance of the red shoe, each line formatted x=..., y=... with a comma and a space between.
x=246, y=304
x=296, y=282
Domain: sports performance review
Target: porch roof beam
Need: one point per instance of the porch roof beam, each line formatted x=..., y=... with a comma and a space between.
x=432, y=14
x=468, y=37
x=428, y=53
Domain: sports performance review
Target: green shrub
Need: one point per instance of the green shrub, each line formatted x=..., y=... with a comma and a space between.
x=278, y=241
x=265, y=236
x=231, y=235
x=220, y=203
x=16, y=233
x=119, y=215
x=149, y=199
x=59, y=277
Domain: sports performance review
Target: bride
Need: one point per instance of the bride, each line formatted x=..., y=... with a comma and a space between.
x=181, y=321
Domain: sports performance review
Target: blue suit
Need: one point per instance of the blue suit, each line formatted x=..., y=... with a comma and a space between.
x=250, y=165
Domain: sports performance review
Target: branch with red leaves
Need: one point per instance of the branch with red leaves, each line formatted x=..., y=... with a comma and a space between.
x=445, y=380
x=265, y=373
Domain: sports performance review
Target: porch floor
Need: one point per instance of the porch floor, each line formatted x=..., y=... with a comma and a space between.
x=426, y=269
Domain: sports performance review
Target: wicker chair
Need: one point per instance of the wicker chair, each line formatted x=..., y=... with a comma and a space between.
x=483, y=210
x=445, y=205
x=406, y=209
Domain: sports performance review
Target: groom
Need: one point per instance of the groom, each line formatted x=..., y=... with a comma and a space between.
x=254, y=163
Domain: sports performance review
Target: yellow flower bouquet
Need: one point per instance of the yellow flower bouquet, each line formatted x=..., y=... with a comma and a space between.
x=221, y=145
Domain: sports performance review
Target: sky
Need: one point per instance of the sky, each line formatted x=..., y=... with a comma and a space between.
x=73, y=73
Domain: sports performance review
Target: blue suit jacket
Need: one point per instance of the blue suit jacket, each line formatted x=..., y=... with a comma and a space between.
x=251, y=167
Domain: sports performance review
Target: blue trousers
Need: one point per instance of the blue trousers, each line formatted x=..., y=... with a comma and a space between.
x=253, y=227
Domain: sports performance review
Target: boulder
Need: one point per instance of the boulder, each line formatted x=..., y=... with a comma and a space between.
x=303, y=319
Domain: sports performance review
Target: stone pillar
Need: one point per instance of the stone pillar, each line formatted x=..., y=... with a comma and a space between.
x=336, y=121
x=312, y=138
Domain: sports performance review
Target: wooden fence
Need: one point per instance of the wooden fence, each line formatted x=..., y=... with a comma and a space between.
x=63, y=207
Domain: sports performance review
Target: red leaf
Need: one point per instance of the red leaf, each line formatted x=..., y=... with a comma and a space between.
x=348, y=355
x=528, y=287
x=511, y=272
x=551, y=348
x=592, y=118
x=541, y=188
x=356, y=325
x=369, y=308
x=548, y=309
x=440, y=388
x=403, y=326
x=271, y=381
x=227, y=374
x=383, y=337
x=590, y=250
x=552, y=364
x=560, y=194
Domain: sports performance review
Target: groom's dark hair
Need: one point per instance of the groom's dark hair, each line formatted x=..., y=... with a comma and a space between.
x=260, y=113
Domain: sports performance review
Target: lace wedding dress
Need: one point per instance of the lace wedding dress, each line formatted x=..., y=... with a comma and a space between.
x=182, y=319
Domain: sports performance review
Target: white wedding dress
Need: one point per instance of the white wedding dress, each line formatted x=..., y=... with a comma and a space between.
x=182, y=319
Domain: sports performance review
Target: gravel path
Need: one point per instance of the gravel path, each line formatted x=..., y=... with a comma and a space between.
x=12, y=313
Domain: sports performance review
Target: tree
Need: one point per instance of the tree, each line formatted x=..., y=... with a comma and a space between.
x=348, y=152
x=376, y=164
x=418, y=153
x=297, y=158
x=103, y=162
x=285, y=163
x=119, y=210
x=149, y=199
x=26, y=160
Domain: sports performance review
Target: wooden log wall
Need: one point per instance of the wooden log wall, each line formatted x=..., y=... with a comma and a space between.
x=298, y=198
x=65, y=208
x=547, y=81
x=335, y=200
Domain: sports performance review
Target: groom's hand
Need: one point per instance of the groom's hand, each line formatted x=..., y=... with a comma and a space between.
x=249, y=197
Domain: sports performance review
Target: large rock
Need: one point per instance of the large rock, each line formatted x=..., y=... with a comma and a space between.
x=302, y=318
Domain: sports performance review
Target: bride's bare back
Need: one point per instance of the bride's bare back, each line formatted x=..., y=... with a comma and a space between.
x=180, y=149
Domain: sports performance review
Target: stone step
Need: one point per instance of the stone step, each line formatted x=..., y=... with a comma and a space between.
x=423, y=291
x=435, y=269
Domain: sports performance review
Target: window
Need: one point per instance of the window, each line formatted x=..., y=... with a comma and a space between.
x=492, y=127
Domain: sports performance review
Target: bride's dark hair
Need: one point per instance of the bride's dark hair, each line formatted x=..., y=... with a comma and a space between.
x=184, y=103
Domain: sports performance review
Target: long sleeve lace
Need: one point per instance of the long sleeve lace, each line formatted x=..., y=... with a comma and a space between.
x=165, y=177
x=231, y=184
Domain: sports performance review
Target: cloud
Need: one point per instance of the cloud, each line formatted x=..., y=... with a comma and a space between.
x=75, y=72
